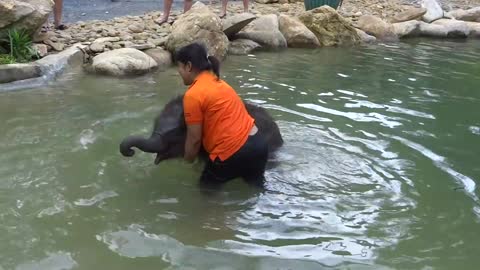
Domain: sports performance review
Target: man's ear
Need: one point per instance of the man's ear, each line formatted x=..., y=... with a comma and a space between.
x=189, y=66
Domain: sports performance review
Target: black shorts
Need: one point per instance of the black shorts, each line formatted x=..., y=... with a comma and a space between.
x=248, y=163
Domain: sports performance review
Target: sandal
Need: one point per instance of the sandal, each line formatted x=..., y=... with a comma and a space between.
x=61, y=27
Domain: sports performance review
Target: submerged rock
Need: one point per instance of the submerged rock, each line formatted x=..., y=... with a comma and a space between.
x=242, y=46
x=201, y=25
x=377, y=27
x=329, y=27
x=265, y=31
x=296, y=33
x=121, y=62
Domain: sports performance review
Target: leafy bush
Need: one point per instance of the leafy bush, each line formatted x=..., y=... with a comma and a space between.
x=19, y=46
x=6, y=59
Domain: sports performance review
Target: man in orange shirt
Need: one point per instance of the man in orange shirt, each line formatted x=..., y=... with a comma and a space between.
x=217, y=118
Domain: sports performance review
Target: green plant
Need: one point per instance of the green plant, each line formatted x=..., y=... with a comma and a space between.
x=19, y=46
x=6, y=59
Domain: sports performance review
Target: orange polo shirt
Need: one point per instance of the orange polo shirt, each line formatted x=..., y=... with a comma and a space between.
x=225, y=121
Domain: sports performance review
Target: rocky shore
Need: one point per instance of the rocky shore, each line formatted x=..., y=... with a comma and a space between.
x=136, y=44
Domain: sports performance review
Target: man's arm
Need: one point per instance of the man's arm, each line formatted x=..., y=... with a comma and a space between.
x=193, y=142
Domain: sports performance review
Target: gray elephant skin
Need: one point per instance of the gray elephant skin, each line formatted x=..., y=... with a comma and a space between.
x=169, y=133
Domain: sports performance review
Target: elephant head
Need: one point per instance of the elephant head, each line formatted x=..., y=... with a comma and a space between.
x=168, y=136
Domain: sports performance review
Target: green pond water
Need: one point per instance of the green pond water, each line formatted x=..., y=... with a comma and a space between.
x=379, y=169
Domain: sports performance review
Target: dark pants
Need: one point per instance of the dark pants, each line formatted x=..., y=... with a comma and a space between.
x=248, y=163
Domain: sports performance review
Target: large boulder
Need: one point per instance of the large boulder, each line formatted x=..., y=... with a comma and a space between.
x=201, y=25
x=407, y=29
x=434, y=10
x=471, y=15
x=442, y=28
x=377, y=27
x=265, y=31
x=234, y=24
x=454, y=28
x=122, y=62
x=409, y=14
x=161, y=56
x=28, y=15
x=329, y=27
x=242, y=46
x=296, y=33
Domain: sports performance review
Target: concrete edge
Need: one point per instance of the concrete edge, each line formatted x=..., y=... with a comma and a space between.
x=14, y=76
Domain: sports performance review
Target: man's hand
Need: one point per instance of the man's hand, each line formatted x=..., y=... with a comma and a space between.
x=193, y=142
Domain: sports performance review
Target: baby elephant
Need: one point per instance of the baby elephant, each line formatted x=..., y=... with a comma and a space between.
x=169, y=133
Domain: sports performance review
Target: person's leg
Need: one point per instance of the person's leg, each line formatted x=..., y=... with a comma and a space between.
x=187, y=5
x=255, y=160
x=167, y=6
x=216, y=173
x=57, y=14
x=245, y=5
x=224, y=9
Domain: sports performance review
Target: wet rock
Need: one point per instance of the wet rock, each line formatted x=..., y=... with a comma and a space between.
x=329, y=27
x=474, y=29
x=161, y=56
x=296, y=33
x=377, y=27
x=471, y=15
x=455, y=29
x=366, y=38
x=434, y=10
x=265, y=31
x=409, y=14
x=234, y=24
x=407, y=29
x=242, y=46
x=201, y=25
x=121, y=62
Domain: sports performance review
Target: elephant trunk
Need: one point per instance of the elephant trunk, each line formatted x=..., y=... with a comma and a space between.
x=149, y=145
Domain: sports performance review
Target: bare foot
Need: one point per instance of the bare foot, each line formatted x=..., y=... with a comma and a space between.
x=223, y=15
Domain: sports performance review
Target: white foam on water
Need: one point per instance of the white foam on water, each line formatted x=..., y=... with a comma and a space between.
x=475, y=130
x=87, y=137
x=343, y=75
x=54, y=261
x=96, y=199
x=440, y=162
